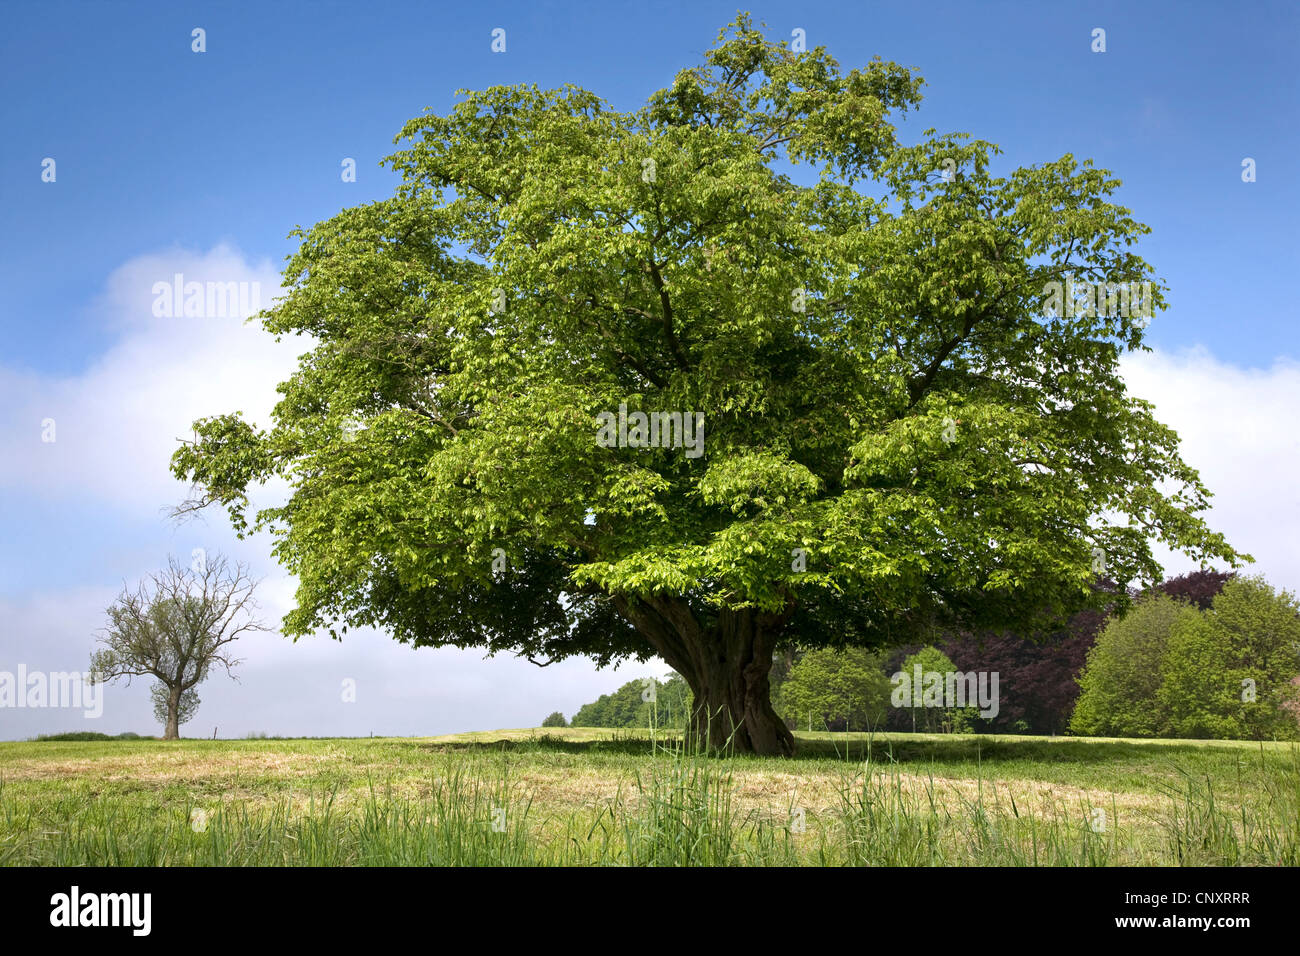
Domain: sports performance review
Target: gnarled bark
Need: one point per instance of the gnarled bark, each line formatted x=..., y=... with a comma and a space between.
x=726, y=665
x=173, y=728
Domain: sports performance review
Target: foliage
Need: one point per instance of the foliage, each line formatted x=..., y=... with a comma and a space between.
x=1123, y=673
x=1168, y=668
x=1039, y=673
x=836, y=690
x=555, y=719
x=1230, y=672
x=902, y=435
x=1038, y=683
x=931, y=719
x=1198, y=588
x=629, y=705
x=1037, y=678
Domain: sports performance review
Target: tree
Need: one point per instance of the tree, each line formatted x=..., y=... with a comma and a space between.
x=1037, y=677
x=186, y=707
x=1038, y=674
x=836, y=689
x=907, y=428
x=907, y=692
x=636, y=703
x=176, y=626
x=1122, y=677
x=555, y=719
x=1230, y=672
x=1198, y=588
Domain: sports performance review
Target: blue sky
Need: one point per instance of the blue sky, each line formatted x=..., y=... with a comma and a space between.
x=165, y=156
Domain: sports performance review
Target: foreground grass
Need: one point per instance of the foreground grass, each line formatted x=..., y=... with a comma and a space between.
x=586, y=796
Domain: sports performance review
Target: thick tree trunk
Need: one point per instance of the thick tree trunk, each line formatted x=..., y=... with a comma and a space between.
x=726, y=666
x=173, y=729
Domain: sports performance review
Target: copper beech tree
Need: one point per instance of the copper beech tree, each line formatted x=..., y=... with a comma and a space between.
x=177, y=626
x=902, y=430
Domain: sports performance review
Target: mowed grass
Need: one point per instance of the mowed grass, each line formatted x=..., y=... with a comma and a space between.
x=601, y=797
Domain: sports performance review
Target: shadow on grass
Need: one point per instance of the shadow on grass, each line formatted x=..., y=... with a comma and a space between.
x=636, y=746
x=899, y=748
x=972, y=748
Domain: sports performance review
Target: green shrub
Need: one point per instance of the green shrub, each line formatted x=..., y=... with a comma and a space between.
x=1123, y=674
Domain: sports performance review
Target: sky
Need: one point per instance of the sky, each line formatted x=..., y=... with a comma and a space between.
x=167, y=160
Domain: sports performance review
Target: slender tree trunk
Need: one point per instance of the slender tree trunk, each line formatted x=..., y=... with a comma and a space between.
x=173, y=729
x=726, y=665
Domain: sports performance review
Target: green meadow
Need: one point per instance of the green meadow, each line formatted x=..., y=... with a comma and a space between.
x=601, y=797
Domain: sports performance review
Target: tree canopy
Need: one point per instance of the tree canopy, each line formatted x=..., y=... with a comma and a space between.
x=903, y=431
x=1226, y=670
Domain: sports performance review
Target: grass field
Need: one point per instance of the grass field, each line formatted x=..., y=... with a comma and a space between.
x=582, y=796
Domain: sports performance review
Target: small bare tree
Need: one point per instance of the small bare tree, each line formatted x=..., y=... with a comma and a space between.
x=176, y=626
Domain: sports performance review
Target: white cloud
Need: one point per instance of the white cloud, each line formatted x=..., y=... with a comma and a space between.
x=117, y=423
x=1238, y=429
x=293, y=689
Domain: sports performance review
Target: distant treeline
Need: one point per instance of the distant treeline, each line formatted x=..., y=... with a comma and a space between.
x=631, y=706
x=1140, y=674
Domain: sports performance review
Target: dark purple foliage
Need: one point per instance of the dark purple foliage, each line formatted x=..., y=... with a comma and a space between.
x=1037, y=685
x=1036, y=679
x=1198, y=588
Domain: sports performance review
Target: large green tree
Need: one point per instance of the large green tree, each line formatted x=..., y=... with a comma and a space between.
x=901, y=432
x=910, y=693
